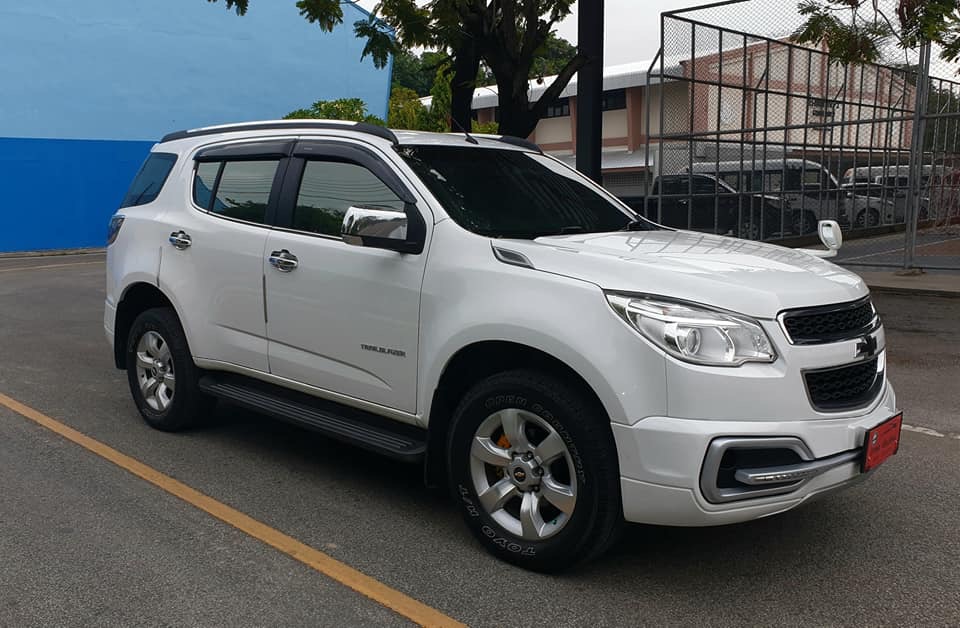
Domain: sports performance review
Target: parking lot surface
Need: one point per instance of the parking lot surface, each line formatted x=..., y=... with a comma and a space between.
x=83, y=542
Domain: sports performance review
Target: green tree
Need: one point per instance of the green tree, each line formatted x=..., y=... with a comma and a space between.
x=340, y=109
x=507, y=35
x=856, y=31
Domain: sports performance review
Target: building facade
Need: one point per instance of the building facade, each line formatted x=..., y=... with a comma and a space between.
x=89, y=87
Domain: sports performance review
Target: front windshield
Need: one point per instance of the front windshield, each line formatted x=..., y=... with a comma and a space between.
x=504, y=193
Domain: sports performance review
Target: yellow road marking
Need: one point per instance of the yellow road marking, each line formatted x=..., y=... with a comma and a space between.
x=42, y=266
x=399, y=602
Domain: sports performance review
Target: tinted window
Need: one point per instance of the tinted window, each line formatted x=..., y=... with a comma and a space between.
x=509, y=193
x=203, y=182
x=244, y=190
x=149, y=181
x=328, y=188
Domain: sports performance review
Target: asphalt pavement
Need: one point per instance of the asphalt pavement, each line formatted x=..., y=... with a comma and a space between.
x=83, y=542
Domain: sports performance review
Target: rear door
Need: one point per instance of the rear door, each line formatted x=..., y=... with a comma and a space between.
x=212, y=263
x=340, y=317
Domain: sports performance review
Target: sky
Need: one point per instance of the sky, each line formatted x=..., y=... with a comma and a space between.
x=631, y=27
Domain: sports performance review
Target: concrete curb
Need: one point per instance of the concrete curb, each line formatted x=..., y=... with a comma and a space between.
x=929, y=285
x=57, y=253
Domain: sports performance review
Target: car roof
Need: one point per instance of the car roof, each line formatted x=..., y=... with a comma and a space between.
x=261, y=128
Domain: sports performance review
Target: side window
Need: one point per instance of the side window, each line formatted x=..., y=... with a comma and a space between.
x=731, y=178
x=704, y=185
x=244, y=190
x=328, y=188
x=149, y=181
x=203, y=181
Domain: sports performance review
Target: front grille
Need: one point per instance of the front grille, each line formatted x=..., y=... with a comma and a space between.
x=829, y=323
x=844, y=387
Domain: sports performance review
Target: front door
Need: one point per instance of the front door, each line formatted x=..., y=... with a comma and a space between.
x=342, y=318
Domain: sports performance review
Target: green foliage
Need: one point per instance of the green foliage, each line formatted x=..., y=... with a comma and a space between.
x=552, y=56
x=407, y=112
x=856, y=31
x=491, y=128
x=342, y=109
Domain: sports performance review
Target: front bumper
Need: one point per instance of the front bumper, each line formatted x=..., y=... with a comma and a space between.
x=661, y=460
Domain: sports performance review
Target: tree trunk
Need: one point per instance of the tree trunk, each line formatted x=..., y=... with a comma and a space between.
x=466, y=64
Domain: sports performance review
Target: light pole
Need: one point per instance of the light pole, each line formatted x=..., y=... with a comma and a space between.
x=590, y=88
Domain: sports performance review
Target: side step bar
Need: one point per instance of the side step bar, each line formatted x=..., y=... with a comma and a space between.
x=390, y=438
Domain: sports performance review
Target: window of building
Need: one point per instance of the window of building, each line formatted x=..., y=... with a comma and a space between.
x=614, y=99
x=244, y=190
x=149, y=181
x=328, y=188
x=559, y=109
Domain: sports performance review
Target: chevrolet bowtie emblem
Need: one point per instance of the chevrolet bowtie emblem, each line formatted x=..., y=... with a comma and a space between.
x=867, y=347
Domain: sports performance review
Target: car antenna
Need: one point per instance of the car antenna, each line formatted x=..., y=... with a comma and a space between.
x=457, y=125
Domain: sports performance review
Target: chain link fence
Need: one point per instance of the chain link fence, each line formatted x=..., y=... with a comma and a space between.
x=750, y=134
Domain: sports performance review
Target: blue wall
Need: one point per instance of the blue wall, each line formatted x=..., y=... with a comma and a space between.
x=110, y=70
x=59, y=194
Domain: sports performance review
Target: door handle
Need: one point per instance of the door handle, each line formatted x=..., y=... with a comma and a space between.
x=180, y=240
x=283, y=260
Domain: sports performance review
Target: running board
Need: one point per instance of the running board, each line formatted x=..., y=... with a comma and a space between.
x=349, y=425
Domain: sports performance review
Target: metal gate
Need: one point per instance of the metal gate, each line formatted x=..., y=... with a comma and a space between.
x=750, y=134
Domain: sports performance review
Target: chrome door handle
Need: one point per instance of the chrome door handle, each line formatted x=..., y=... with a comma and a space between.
x=283, y=260
x=180, y=240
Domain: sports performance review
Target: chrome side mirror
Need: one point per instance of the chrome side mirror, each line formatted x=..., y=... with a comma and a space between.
x=830, y=234
x=378, y=228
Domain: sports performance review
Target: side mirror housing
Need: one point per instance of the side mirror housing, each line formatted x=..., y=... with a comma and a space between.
x=381, y=229
x=830, y=234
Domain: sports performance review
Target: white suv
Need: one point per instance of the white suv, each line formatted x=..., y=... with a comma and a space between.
x=475, y=306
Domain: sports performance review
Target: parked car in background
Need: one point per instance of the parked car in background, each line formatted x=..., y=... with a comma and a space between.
x=808, y=189
x=875, y=195
x=701, y=202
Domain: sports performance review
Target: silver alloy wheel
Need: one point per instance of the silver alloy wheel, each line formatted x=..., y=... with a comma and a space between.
x=155, y=371
x=529, y=488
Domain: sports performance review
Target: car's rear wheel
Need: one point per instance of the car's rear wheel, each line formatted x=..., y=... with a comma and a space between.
x=534, y=470
x=868, y=218
x=161, y=372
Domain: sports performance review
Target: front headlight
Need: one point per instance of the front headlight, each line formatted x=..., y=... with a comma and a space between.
x=695, y=333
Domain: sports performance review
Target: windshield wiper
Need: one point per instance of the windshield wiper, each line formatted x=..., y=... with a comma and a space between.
x=638, y=225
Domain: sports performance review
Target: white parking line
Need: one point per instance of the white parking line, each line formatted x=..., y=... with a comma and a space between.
x=929, y=432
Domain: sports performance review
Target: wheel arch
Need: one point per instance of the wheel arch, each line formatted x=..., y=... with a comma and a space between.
x=137, y=298
x=473, y=363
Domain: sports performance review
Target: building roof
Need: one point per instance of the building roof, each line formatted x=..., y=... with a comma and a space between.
x=620, y=76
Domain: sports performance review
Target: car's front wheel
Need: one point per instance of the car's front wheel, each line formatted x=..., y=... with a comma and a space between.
x=161, y=372
x=534, y=470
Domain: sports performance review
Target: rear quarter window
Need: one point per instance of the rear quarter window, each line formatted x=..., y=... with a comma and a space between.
x=149, y=181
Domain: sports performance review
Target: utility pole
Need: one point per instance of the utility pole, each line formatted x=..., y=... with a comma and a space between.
x=590, y=88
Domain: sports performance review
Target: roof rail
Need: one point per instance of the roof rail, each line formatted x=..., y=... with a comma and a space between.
x=519, y=141
x=360, y=127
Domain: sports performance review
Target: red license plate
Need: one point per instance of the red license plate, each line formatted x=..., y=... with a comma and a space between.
x=882, y=442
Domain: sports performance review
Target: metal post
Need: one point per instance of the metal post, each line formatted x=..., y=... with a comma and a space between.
x=914, y=184
x=590, y=89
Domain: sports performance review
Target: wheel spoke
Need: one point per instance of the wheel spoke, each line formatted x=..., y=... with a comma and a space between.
x=557, y=494
x=513, y=425
x=149, y=387
x=153, y=343
x=169, y=381
x=144, y=360
x=530, y=520
x=164, y=353
x=550, y=448
x=495, y=497
x=163, y=398
x=484, y=449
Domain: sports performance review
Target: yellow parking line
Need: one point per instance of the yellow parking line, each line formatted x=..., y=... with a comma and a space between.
x=42, y=266
x=344, y=574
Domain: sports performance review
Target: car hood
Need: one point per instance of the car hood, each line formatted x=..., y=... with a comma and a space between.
x=753, y=278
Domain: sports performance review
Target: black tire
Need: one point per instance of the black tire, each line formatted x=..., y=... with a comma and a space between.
x=186, y=404
x=868, y=218
x=597, y=516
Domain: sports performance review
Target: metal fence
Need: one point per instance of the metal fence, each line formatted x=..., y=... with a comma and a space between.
x=752, y=135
